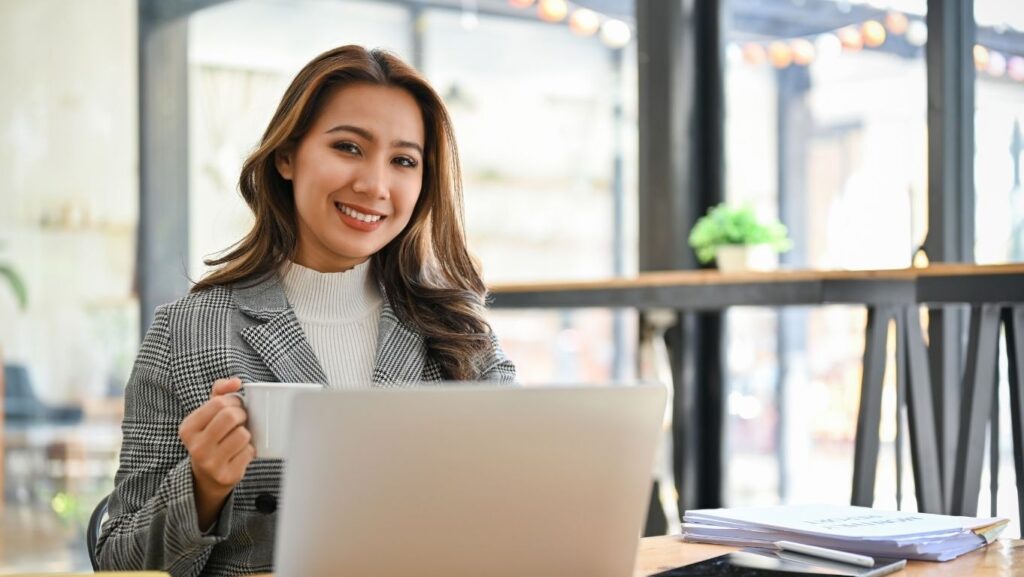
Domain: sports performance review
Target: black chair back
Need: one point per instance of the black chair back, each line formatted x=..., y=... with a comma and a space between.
x=92, y=532
x=20, y=402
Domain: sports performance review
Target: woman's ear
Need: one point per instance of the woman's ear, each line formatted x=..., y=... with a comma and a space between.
x=283, y=163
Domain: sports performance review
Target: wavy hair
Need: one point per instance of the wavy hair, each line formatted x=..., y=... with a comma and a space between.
x=426, y=271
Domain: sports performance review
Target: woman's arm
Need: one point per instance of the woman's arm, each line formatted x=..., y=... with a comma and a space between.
x=153, y=522
x=496, y=366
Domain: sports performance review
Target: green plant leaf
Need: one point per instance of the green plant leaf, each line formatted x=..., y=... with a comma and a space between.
x=729, y=225
x=17, y=285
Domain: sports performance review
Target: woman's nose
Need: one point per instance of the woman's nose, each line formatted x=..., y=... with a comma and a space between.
x=372, y=180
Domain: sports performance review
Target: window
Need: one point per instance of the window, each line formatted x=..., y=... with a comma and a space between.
x=998, y=133
x=546, y=125
x=826, y=128
x=69, y=194
x=998, y=194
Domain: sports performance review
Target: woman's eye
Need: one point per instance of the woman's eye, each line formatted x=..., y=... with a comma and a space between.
x=405, y=161
x=347, y=147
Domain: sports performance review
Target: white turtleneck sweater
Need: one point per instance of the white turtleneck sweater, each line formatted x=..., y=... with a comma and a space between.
x=339, y=313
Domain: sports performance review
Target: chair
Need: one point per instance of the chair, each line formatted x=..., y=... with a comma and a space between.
x=23, y=407
x=92, y=532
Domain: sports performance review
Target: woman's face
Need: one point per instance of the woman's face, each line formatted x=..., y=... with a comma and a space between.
x=356, y=175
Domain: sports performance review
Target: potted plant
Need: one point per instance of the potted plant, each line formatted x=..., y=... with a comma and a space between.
x=737, y=240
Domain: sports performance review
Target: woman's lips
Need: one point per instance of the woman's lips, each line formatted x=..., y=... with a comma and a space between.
x=357, y=219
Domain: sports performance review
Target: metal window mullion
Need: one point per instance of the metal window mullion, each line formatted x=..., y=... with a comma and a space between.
x=951, y=30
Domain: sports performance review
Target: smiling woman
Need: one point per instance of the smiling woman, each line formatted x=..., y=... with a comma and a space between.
x=355, y=274
x=356, y=175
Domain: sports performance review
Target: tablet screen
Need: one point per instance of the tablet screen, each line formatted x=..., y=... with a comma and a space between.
x=771, y=563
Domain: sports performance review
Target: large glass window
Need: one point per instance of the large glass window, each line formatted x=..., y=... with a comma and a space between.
x=999, y=136
x=242, y=55
x=547, y=138
x=999, y=196
x=68, y=213
x=545, y=114
x=546, y=125
x=826, y=128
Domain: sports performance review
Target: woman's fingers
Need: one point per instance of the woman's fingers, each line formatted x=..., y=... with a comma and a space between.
x=241, y=460
x=234, y=442
x=198, y=420
x=216, y=437
x=225, y=386
x=224, y=422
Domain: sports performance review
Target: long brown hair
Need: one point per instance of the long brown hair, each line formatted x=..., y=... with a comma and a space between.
x=427, y=273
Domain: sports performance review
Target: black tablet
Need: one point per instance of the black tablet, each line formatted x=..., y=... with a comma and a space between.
x=771, y=563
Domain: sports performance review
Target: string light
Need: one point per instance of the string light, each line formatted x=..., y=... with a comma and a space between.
x=780, y=54
x=851, y=38
x=553, y=10
x=828, y=46
x=754, y=53
x=980, y=57
x=1015, y=68
x=996, y=64
x=874, y=33
x=803, y=51
x=584, y=22
x=615, y=33
x=896, y=22
x=917, y=33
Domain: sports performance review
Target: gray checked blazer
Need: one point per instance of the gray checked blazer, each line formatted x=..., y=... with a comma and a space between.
x=252, y=333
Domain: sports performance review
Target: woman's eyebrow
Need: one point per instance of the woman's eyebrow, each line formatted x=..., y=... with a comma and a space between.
x=369, y=136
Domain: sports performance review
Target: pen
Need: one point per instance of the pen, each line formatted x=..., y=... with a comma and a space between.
x=823, y=553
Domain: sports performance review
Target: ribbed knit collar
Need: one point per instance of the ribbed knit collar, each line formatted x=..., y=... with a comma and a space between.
x=332, y=296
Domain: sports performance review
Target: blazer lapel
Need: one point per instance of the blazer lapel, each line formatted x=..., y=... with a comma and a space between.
x=277, y=336
x=401, y=351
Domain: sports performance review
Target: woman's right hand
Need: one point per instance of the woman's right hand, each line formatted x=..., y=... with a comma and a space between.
x=218, y=445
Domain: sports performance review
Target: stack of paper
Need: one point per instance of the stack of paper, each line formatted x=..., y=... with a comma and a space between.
x=902, y=535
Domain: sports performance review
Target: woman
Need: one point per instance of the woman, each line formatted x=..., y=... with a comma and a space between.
x=355, y=273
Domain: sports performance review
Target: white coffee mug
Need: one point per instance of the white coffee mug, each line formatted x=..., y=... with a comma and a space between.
x=269, y=406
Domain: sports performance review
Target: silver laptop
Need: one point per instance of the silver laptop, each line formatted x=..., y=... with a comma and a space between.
x=468, y=481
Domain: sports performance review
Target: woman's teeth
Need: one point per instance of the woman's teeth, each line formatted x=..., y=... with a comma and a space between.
x=358, y=215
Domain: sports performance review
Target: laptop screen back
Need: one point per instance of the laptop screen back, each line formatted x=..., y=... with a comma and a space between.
x=464, y=481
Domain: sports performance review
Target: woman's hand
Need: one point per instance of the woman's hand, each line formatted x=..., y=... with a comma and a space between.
x=218, y=446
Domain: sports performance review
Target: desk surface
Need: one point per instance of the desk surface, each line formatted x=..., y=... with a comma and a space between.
x=711, y=276
x=712, y=290
x=1004, y=558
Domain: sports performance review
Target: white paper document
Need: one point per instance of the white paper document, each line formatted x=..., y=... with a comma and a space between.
x=900, y=534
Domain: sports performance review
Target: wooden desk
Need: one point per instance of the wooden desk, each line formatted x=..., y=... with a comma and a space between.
x=712, y=290
x=970, y=284
x=1004, y=558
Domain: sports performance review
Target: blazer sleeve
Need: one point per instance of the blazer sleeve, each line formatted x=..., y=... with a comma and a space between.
x=496, y=366
x=153, y=522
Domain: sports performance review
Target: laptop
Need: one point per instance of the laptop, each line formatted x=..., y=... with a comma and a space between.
x=468, y=481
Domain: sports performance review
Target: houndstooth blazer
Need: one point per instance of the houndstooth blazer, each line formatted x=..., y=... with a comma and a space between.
x=220, y=332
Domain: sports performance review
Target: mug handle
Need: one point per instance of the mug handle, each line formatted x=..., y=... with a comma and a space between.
x=240, y=394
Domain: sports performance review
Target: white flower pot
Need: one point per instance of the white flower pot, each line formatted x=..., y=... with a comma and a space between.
x=739, y=258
